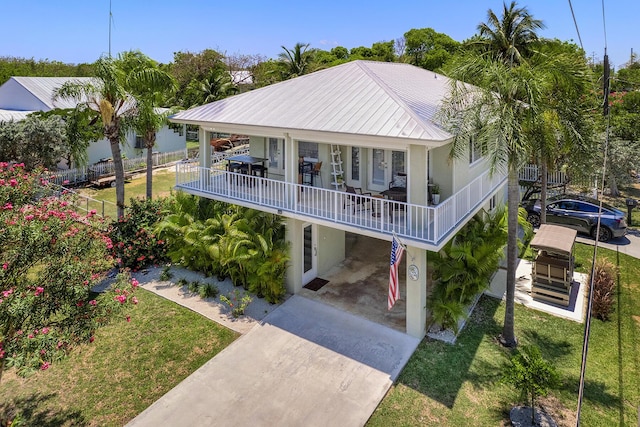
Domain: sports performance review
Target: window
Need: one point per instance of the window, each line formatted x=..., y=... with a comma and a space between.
x=476, y=151
x=139, y=142
x=492, y=202
x=355, y=163
x=308, y=150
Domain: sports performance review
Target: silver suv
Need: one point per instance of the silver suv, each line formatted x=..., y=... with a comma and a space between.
x=579, y=213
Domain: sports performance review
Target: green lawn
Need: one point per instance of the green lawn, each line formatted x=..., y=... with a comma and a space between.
x=453, y=385
x=126, y=368
x=163, y=181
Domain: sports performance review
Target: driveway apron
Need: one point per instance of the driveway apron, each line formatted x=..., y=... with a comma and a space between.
x=306, y=364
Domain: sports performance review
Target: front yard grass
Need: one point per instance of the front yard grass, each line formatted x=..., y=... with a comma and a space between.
x=453, y=385
x=127, y=368
x=163, y=181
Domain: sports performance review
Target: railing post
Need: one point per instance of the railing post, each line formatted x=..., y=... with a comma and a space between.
x=103, y=209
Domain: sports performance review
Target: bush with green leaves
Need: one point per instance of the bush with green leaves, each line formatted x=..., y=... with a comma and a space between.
x=604, y=286
x=463, y=268
x=135, y=244
x=531, y=375
x=226, y=240
x=50, y=258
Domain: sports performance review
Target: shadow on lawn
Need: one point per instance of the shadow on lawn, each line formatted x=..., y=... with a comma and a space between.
x=32, y=410
x=438, y=370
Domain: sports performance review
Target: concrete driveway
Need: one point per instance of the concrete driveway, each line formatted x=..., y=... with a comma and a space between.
x=306, y=364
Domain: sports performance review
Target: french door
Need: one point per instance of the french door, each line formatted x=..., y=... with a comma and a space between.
x=384, y=165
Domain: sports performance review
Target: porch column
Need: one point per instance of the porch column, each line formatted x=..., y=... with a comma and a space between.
x=416, y=290
x=293, y=235
x=205, y=148
x=418, y=175
x=291, y=156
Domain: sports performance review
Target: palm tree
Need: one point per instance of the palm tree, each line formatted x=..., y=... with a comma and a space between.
x=149, y=86
x=296, y=59
x=217, y=85
x=514, y=111
x=110, y=96
x=512, y=36
x=495, y=115
x=107, y=97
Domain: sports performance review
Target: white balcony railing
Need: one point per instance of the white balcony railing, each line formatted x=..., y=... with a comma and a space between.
x=426, y=224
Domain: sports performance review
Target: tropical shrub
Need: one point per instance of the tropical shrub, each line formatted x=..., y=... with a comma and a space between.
x=531, y=375
x=463, y=268
x=135, y=244
x=244, y=244
x=604, y=285
x=50, y=259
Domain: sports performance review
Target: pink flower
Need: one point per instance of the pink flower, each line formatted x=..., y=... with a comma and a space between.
x=39, y=291
x=93, y=302
x=7, y=293
x=28, y=217
x=45, y=331
x=121, y=298
x=44, y=366
x=66, y=181
x=134, y=300
x=135, y=283
x=7, y=206
x=30, y=336
x=128, y=318
x=13, y=182
x=5, y=266
x=91, y=339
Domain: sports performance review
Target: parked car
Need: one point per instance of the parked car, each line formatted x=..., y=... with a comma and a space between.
x=581, y=214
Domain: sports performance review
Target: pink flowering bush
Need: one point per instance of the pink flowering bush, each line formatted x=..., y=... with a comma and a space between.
x=50, y=259
x=134, y=243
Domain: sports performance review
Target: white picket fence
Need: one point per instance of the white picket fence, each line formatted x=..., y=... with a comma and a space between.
x=80, y=175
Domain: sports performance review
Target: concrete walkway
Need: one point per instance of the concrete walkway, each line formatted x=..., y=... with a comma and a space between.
x=306, y=364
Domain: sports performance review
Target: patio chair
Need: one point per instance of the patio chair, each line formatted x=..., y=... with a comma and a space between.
x=356, y=200
x=315, y=173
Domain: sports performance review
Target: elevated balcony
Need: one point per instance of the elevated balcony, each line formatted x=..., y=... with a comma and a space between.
x=428, y=227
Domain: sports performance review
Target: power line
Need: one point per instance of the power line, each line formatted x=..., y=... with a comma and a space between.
x=576, y=24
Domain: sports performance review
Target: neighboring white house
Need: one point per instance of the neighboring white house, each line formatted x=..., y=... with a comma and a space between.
x=20, y=96
x=371, y=124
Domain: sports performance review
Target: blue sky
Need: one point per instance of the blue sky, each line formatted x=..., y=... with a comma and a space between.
x=77, y=30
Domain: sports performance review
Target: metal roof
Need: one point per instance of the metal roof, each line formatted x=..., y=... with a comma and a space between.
x=554, y=238
x=13, y=115
x=43, y=88
x=381, y=99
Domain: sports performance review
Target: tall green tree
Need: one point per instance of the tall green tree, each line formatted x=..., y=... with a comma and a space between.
x=109, y=97
x=495, y=113
x=511, y=37
x=296, y=59
x=426, y=48
x=149, y=86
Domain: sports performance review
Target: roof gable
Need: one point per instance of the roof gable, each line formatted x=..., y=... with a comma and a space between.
x=360, y=97
x=35, y=93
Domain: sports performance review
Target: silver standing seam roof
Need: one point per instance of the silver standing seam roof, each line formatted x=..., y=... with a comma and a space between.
x=43, y=88
x=369, y=98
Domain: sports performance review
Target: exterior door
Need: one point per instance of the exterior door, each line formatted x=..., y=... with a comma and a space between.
x=275, y=149
x=385, y=164
x=309, y=253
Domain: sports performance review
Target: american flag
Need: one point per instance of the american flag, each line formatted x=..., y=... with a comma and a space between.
x=396, y=255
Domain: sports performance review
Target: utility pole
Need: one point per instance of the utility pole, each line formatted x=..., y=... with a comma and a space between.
x=110, y=19
x=587, y=324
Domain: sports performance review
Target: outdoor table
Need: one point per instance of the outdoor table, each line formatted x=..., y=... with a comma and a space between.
x=305, y=168
x=243, y=161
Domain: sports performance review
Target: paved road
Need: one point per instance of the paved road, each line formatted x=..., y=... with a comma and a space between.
x=629, y=244
x=306, y=364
